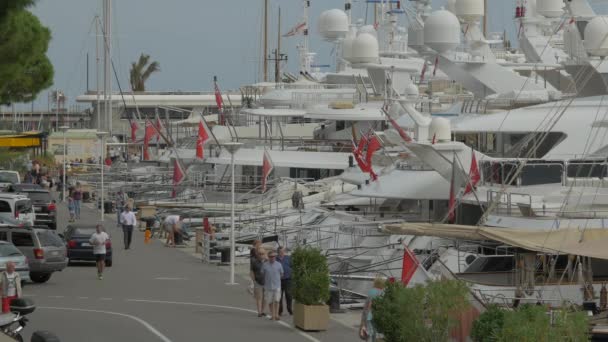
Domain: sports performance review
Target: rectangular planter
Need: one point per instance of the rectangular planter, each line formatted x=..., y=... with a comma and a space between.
x=311, y=317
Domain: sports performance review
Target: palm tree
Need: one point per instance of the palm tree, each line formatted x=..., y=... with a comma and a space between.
x=141, y=71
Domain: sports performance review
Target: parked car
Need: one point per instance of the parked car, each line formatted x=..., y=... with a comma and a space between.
x=45, y=210
x=8, y=252
x=45, y=250
x=18, y=207
x=77, y=237
x=8, y=177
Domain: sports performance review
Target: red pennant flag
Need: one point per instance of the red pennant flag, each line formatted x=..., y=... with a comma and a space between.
x=452, y=200
x=267, y=167
x=200, y=141
x=436, y=64
x=149, y=134
x=423, y=72
x=434, y=139
x=358, y=158
x=134, y=128
x=159, y=128
x=410, y=265
x=300, y=27
x=400, y=130
x=372, y=146
x=178, y=176
x=474, y=176
x=219, y=101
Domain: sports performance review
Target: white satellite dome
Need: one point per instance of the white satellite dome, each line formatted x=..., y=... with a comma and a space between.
x=596, y=34
x=369, y=29
x=442, y=31
x=412, y=91
x=333, y=24
x=347, y=44
x=469, y=10
x=440, y=129
x=550, y=8
x=365, y=49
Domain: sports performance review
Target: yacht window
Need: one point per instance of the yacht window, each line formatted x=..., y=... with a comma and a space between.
x=541, y=174
x=587, y=169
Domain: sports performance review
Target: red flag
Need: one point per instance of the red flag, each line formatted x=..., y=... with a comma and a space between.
x=474, y=176
x=178, y=176
x=159, y=127
x=200, y=141
x=149, y=134
x=423, y=72
x=134, y=128
x=452, y=200
x=400, y=130
x=300, y=27
x=267, y=167
x=434, y=139
x=410, y=264
x=219, y=101
x=372, y=146
x=436, y=64
x=357, y=153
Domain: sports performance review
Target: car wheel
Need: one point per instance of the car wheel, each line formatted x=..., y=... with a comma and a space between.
x=18, y=337
x=109, y=263
x=40, y=277
x=70, y=262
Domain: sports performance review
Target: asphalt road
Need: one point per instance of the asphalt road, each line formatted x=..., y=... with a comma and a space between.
x=154, y=293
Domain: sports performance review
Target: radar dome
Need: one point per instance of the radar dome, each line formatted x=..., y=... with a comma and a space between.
x=596, y=33
x=442, y=31
x=333, y=24
x=469, y=10
x=365, y=49
x=411, y=91
x=550, y=8
x=347, y=45
x=369, y=29
x=440, y=129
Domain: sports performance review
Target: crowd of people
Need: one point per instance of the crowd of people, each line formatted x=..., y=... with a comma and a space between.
x=271, y=280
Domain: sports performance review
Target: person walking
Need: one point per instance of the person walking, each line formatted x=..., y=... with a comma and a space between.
x=367, y=325
x=171, y=228
x=71, y=208
x=128, y=221
x=257, y=277
x=273, y=271
x=77, y=196
x=99, y=240
x=10, y=282
x=285, y=261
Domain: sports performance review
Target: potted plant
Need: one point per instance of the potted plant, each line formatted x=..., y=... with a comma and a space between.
x=310, y=289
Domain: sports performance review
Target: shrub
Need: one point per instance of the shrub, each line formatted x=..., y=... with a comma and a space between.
x=488, y=324
x=421, y=313
x=310, y=276
x=533, y=324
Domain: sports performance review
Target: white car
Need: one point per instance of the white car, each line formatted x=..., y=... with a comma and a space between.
x=18, y=207
x=8, y=177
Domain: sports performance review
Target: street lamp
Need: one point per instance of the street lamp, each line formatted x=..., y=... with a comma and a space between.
x=64, y=129
x=101, y=135
x=232, y=147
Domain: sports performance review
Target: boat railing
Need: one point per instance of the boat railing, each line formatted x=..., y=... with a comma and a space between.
x=307, y=99
x=299, y=144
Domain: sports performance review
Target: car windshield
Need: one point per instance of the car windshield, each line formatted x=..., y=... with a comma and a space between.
x=39, y=197
x=49, y=239
x=23, y=206
x=9, y=177
x=8, y=250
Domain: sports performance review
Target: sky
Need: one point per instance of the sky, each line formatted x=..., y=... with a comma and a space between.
x=193, y=40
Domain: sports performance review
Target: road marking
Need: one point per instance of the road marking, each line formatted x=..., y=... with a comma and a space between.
x=301, y=333
x=105, y=298
x=56, y=296
x=137, y=319
x=83, y=297
x=168, y=278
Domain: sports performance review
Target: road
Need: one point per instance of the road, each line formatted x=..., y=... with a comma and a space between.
x=154, y=293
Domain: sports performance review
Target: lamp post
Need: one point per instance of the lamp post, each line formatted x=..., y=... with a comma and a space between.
x=101, y=136
x=64, y=129
x=232, y=147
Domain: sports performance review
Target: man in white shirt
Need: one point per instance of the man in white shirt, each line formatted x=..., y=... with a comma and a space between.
x=128, y=221
x=99, y=240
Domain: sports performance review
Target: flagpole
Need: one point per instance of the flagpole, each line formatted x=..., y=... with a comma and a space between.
x=232, y=147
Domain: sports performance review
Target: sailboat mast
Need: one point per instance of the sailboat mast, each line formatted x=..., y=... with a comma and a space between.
x=97, y=73
x=485, y=18
x=265, y=52
x=107, y=62
x=277, y=65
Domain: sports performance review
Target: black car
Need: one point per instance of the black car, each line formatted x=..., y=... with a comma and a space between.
x=44, y=206
x=79, y=248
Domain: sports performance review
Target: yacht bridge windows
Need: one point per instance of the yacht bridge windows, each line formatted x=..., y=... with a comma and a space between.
x=511, y=144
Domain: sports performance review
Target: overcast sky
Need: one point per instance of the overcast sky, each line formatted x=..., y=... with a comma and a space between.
x=191, y=39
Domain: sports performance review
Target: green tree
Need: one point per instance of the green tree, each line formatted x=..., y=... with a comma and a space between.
x=141, y=71
x=25, y=70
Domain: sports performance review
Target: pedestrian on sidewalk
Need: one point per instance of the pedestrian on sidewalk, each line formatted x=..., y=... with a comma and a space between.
x=71, y=208
x=285, y=261
x=10, y=283
x=77, y=196
x=128, y=221
x=367, y=327
x=273, y=271
x=99, y=240
x=257, y=276
x=172, y=228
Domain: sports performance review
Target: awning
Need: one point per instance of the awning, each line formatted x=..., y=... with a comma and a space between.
x=590, y=242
